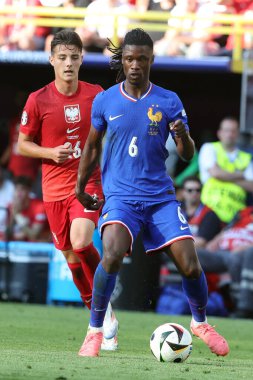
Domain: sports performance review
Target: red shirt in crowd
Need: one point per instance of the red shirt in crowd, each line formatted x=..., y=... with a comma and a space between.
x=33, y=214
x=20, y=165
x=40, y=31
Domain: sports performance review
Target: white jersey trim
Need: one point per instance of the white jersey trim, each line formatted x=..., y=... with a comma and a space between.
x=124, y=93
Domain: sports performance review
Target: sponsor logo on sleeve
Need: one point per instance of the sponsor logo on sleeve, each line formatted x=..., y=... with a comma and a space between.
x=24, y=118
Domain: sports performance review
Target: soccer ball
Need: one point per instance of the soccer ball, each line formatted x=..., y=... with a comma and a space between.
x=171, y=342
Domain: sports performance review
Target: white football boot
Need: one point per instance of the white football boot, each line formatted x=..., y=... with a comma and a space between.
x=110, y=329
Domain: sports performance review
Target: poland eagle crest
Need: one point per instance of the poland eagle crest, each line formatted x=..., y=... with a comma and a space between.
x=72, y=113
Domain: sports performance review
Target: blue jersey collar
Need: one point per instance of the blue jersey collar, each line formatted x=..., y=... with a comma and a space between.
x=129, y=97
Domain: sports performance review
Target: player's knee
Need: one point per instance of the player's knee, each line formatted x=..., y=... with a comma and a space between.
x=112, y=260
x=192, y=270
x=80, y=244
x=113, y=253
x=111, y=264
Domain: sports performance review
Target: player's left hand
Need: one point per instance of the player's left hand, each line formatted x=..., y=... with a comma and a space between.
x=88, y=201
x=179, y=129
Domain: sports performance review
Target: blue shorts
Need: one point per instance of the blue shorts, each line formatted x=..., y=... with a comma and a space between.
x=162, y=223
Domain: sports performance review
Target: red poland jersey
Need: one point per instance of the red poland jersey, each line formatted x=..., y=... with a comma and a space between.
x=53, y=119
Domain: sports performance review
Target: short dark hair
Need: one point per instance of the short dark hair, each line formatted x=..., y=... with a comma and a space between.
x=23, y=181
x=66, y=37
x=230, y=118
x=191, y=178
x=134, y=37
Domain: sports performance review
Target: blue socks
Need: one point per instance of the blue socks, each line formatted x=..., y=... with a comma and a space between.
x=103, y=286
x=197, y=293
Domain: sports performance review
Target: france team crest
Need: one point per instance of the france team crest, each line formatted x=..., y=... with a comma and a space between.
x=155, y=117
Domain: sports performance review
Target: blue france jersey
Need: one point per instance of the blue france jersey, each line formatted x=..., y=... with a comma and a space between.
x=133, y=164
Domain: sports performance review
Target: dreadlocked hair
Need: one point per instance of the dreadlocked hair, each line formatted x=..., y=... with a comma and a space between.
x=115, y=61
x=134, y=37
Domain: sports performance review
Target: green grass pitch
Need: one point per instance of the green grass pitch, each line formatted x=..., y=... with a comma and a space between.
x=41, y=342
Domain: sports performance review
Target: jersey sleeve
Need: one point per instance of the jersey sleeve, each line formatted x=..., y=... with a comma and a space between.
x=30, y=120
x=177, y=112
x=97, y=112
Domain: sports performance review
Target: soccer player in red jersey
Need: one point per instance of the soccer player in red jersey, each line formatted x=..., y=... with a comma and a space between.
x=54, y=127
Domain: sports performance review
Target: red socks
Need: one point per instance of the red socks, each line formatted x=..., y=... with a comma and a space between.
x=83, y=272
x=81, y=282
x=90, y=259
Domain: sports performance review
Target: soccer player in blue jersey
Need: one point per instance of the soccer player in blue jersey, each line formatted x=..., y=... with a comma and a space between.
x=138, y=117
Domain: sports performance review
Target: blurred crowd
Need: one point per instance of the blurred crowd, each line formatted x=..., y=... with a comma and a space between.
x=22, y=214
x=184, y=36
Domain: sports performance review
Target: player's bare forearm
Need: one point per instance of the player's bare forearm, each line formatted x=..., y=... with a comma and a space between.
x=27, y=147
x=184, y=142
x=185, y=147
x=89, y=159
x=31, y=149
x=59, y=154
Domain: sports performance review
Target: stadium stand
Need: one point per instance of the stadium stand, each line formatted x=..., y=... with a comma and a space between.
x=225, y=24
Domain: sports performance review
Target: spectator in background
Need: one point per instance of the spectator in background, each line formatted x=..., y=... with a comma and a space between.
x=99, y=23
x=187, y=36
x=65, y=4
x=17, y=164
x=27, y=216
x=242, y=8
x=143, y=6
x=23, y=37
x=226, y=172
x=204, y=223
x=51, y=3
x=6, y=196
x=232, y=251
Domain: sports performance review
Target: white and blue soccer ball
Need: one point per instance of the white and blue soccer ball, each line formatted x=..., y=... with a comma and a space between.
x=171, y=342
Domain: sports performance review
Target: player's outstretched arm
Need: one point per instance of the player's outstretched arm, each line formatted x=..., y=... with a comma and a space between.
x=185, y=144
x=27, y=147
x=89, y=159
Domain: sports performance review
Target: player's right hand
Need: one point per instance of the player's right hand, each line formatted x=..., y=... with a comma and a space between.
x=179, y=129
x=61, y=153
x=88, y=201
